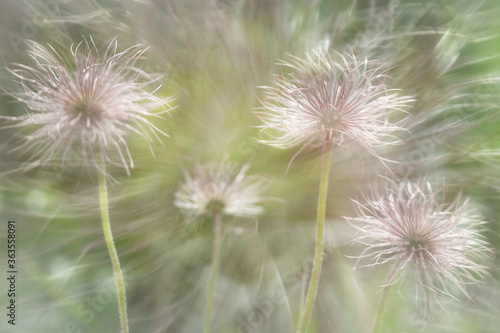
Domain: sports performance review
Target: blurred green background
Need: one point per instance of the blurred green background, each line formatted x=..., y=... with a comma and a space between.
x=214, y=54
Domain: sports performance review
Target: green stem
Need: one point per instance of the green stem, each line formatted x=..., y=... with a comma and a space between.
x=106, y=226
x=383, y=300
x=318, y=255
x=215, y=268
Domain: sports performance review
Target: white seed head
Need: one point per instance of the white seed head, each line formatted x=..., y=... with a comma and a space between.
x=83, y=100
x=322, y=100
x=412, y=228
x=223, y=187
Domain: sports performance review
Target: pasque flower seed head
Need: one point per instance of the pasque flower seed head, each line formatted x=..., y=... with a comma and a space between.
x=85, y=100
x=412, y=228
x=320, y=99
x=224, y=187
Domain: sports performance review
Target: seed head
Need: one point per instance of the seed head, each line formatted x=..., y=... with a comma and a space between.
x=224, y=188
x=81, y=99
x=411, y=227
x=322, y=100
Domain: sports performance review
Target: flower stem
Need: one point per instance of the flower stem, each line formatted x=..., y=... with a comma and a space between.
x=383, y=299
x=215, y=268
x=106, y=226
x=318, y=255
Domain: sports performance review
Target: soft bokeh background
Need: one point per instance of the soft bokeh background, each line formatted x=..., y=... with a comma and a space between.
x=214, y=55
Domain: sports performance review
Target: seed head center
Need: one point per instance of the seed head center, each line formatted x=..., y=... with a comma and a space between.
x=418, y=245
x=215, y=205
x=87, y=111
x=330, y=117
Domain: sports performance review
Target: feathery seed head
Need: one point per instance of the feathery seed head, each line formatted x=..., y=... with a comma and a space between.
x=221, y=187
x=86, y=99
x=410, y=226
x=323, y=100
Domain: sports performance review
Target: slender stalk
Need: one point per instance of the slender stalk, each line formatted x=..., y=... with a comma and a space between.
x=318, y=255
x=106, y=226
x=383, y=300
x=215, y=268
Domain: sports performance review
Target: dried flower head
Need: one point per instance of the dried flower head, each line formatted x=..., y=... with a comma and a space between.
x=410, y=226
x=322, y=100
x=223, y=187
x=81, y=99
